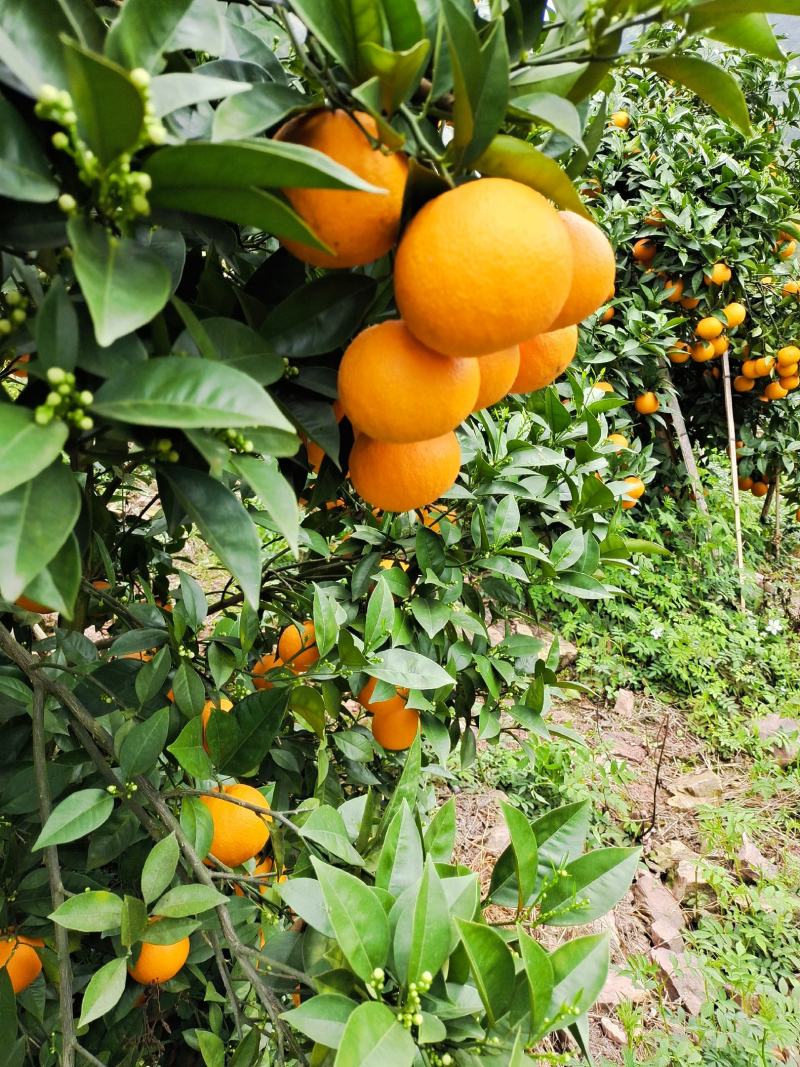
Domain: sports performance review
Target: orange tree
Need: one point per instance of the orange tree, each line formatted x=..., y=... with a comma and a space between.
x=221, y=831
x=706, y=255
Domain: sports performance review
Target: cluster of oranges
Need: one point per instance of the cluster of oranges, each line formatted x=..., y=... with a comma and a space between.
x=785, y=364
x=485, y=252
x=758, y=485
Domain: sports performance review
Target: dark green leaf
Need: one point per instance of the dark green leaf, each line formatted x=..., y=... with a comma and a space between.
x=326, y=628
x=24, y=171
x=57, y=329
x=188, y=750
x=109, y=107
x=509, y=157
x=141, y=748
x=714, y=85
x=319, y=317
x=357, y=917
x=492, y=966
x=102, y=993
x=330, y=21
x=580, y=968
x=259, y=718
x=25, y=448
x=58, y=584
x=159, y=868
x=374, y=1038
x=145, y=29
x=274, y=492
x=197, y=824
x=322, y=1018
x=596, y=881
x=539, y=973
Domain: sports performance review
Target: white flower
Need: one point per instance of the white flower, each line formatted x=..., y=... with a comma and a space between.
x=657, y=632
x=774, y=627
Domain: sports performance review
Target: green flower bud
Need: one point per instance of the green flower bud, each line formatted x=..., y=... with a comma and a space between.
x=5, y=327
x=69, y=377
x=64, y=99
x=86, y=398
x=42, y=416
x=18, y=316
x=13, y=298
x=447, y=1059
x=86, y=423
x=173, y=456
x=53, y=400
x=427, y=977
x=139, y=77
x=378, y=974
x=156, y=133
x=69, y=118
x=64, y=389
x=143, y=181
x=140, y=204
x=60, y=140
x=418, y=1019
x=48, y=94
x=55, y=375
x=68, y=204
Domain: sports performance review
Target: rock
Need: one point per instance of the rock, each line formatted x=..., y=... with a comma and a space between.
x=630, y=752
x=625, y=704
x=688, y=880
x=667, y=856
x=497, y=839
x=664, y=935
x=787, y=748
x=620, y=989
x=703, y=783
x=613, y=1031
x=682, y=981
x=662, y=911
x=751, y=865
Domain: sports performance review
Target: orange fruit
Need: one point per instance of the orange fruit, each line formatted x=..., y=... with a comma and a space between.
x=787, y=355
x=644, y=250
x=760, y=489
x=261, y=869
x=593, y=268
x=775, y=391
x=720, y=273
x=702, y=351
x=619, y=440
x=498, y=372
x=735, y=314
x=708, y=328
x=239, y=833
x=209, y=706
x=787, y=371
x=608, y=314
x=395, y=730
x=463, y=255
x=689, y=302
x=394, y=388
x=790, y=382
x=746, y=484
x=297, y=647
x=757, y=368
x=268, y=662
x=357, y=226
x=742, y=384
x=401, y=477
x=31, y=605
x=544, y=358
x=655, y=217
x=679, y=353
x=19, y=958
x=159, y=963
x=604, y=387
x=634, y=491
x=381, y=707
x=647, y=403
x=787, y=250
x=620, y=119
x=790, y=288
x=720, y=345
x=674, y=291
x=314, y=452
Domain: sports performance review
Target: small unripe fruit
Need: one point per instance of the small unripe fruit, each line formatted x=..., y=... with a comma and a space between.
x=56, y=375
x=67, y=203
x=5, y=327
x=18, y=316
x=140, y=77
x=60, y=140
x=48, y=94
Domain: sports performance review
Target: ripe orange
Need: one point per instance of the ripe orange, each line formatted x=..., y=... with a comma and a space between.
x=19, y=958
x=381, y=707
x=394, y=388
x=720, y=273
x=702, y=351
x=655, y=217
x=593, y=270
x=787, y=250
x=239, y=833
x=760, y=489
x=159, y=963
x=358, y=227
x=787, y=371
x=689, y=302
x=644, y=250
x=498, y=372
x=746, y=484
x=268, y=662
x=742, y=384
x=634, y=491
x=787, y=355
x=775, y=391
x=790, y=382
x=720, y=345
x=619, y=440
x=791, y=288
x=604, y=387
x=735, y=314
x=757, y=368
x=395, y=730
x=401, y=477
x=608, y=314
x=647, y=403
x=679, y=353
x=31, y=605
x=466, y=252
x=674, y=290
x=314, y=453
x=297, y=647
x=209, y=706
x=708, y=328
x=261, y=869
x=620, y=119
x=544, y=358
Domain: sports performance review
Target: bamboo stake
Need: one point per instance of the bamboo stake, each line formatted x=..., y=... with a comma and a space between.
x=737, y=507
x=777, y=538
x=685, y=443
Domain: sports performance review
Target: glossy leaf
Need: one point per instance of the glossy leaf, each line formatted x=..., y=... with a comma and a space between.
x=57, y=585
x=320, y=316
x=357, y=917
x=326, y=628
x=92, y=912
x=159, y=867
x=751, y=32
x=125, y=284
x=259, y=718
x=326, y=828
x=422, y=937
x=560, y=835
x=440, y=833
x=141, y=748
x=400, y=862
x=24, y=171
x=540, y=978
x=580, y=969
x=25, y=448
x=304, y=896
x=145, y=29
x=508, y=157
x=188, y=750
x=77, y=815
x=409, y=669
x=102, y=993
x=373, y=1037
x=322, y=1018
x=515, y=873
x=109, y=107
x=330, y=22
x=274, y=493
x=169, y=92
x=260, y=108
x=597, y=881
x=491, y=964
x=719, y=89
x=186, y=900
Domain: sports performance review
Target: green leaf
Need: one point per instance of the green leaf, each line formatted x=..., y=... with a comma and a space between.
x=260, y=108
x=143, y=30
x=35, y=520
x=57, y=329
x=25, y=448
x=76, y=816
x=232, y=342
x=186, y=900
x=274, y=492
x=403, y=22
x=188, y=689
x=492, y=966
x=400, y=862
x=423, y=932
x=326, y=628
x=552, y=110
x=374, y=1038
x=141, y=748
x=325, y=826
x=599, y=879
x=380, y=614
x=159, y=867
x=125, y=284
x=539, y=973
x=508, y=157
x=187, y=392
x=259, y=718
x=580, y=969
x=515, y=873
x=560, y=835
x=320, y=316
x=322, y=1018
x=168, y=931
x=188, y=750
x=95, y=911
x=330, y=21
x=109, y=107
x=169, y=92
x=398, y=72
x=58, y=584
x=714, y=85
x=440, y=834
x=357, y=917
x=197, y=824
x=409, y=669
x=102, y=993
x=223, y=523
x=752, y=33
x=30, y=41
x=134, y=920
x=212, y=1048
x=24, y=171
x=432, y=615
x=304, y=896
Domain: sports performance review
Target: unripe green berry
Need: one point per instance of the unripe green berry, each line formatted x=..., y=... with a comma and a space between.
x=86, y=398
x=18, y=316
x=56, y=375
x=67, y=203
x=69, y=377
x=53, y=400
x=13, y=298
x=60, y=140
x=140, y=204
x=86, y=423
x=5, y=327
x=64, y=389
x=140, y=77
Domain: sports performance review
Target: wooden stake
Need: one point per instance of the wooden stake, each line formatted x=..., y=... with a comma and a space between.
x=737, y=508
x=685, y=443
x=776, y=541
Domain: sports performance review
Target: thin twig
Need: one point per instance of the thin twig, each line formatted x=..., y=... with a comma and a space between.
x=87, y=1055
x=224, y=974
x=657, y=781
